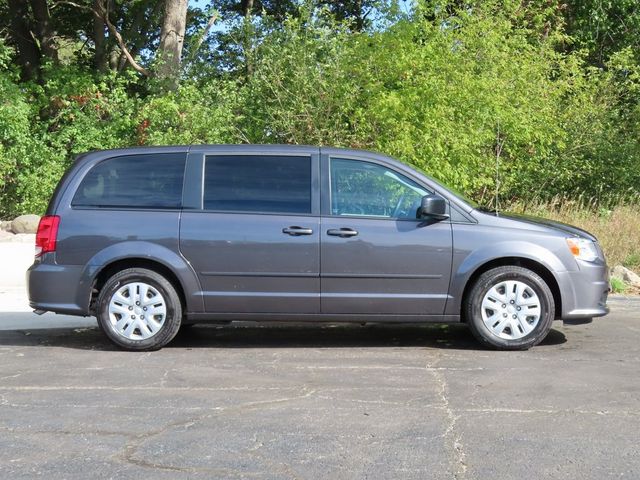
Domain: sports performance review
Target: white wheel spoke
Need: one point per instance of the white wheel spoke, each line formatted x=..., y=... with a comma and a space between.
x=150, y=300
x=520, y=298
x=511, y=286
x=121, y=323
x=144, y=331
x=494, y=293
x=122, y=310
x=130, y=329
x=490, y=303
x=526, y=326
x=131, y=289
x=531, y=311
x=156, y=310
x=118, y=297
x=143, y=291
x=491, y=320
x=498, y=329
x=514, y=326
x=519, y=290
x=152, y=324
x=529, y=302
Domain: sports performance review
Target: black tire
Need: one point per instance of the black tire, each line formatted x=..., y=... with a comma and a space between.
x=172, y=318
x=491, y=278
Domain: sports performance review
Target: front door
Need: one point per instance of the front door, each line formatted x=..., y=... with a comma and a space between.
x=376, y=256
x=255, y=242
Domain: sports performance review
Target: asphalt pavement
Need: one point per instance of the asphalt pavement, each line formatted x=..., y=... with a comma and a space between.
x=310, y=402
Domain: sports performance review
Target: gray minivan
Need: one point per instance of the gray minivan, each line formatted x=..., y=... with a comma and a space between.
x=149, y=239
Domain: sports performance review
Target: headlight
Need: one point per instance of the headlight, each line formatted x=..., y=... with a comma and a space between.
x=583, y=249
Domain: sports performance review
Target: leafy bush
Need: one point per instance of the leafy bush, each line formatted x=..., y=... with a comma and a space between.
x=193, y=114
x=447, y=93
x=456, y=89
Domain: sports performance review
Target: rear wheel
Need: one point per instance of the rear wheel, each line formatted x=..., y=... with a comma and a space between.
x=510, y=308
x=139, y=309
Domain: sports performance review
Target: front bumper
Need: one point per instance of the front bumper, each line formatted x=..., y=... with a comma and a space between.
x=584, y=292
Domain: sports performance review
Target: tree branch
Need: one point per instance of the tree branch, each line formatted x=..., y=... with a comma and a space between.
x=193, y=52
x=212, y=20
x=73, y=4
x=104, y=13
x=137, y=39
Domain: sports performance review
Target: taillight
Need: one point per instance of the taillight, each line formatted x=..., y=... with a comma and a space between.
x=47, y=234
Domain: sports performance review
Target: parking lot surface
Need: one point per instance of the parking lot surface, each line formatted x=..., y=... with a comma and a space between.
x=309, y=402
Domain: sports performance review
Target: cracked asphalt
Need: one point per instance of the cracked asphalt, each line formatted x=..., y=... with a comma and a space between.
x=308, y=402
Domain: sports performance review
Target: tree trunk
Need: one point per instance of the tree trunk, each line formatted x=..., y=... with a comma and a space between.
x=247, y=9
x=113, y=59
x=171, y=42
x=29, y=55
x=359, y=16
x=99, y=40
x=44, y=30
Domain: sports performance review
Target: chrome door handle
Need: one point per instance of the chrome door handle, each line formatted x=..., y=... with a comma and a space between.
x=342, y=232
x=295, y=231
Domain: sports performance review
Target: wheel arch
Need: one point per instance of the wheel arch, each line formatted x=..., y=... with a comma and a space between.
x=533, y=265
x=110, y=269
x=159, y=258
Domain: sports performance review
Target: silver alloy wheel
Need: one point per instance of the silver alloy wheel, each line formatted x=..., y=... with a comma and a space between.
x=137, y=311
x=511, y=310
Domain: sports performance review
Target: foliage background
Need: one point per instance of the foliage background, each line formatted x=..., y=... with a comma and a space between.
x=553, y=88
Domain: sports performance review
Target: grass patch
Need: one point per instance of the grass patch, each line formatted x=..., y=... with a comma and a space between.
x=617, y=285
x=632, y=261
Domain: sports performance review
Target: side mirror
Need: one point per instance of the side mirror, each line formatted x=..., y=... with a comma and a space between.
x=433, y=206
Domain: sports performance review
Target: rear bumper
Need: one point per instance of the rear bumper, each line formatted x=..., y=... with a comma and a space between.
x=584, y=292
x=57, y=288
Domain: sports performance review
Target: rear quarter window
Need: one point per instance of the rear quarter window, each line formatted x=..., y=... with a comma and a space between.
x=134, y=181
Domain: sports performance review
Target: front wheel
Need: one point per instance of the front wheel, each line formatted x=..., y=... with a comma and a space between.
x=139, y=309
x=510, y=308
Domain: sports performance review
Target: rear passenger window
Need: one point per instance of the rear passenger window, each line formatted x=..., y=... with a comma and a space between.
x=258, y=183
x=145, y=181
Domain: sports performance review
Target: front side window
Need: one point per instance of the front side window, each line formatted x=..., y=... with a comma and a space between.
x=367, y=189
x=134, y=181
x=258, y=183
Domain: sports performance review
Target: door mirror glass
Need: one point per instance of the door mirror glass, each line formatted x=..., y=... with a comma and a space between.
x=433, y=206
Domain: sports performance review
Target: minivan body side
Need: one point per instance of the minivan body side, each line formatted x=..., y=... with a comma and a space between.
x=256, y=265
